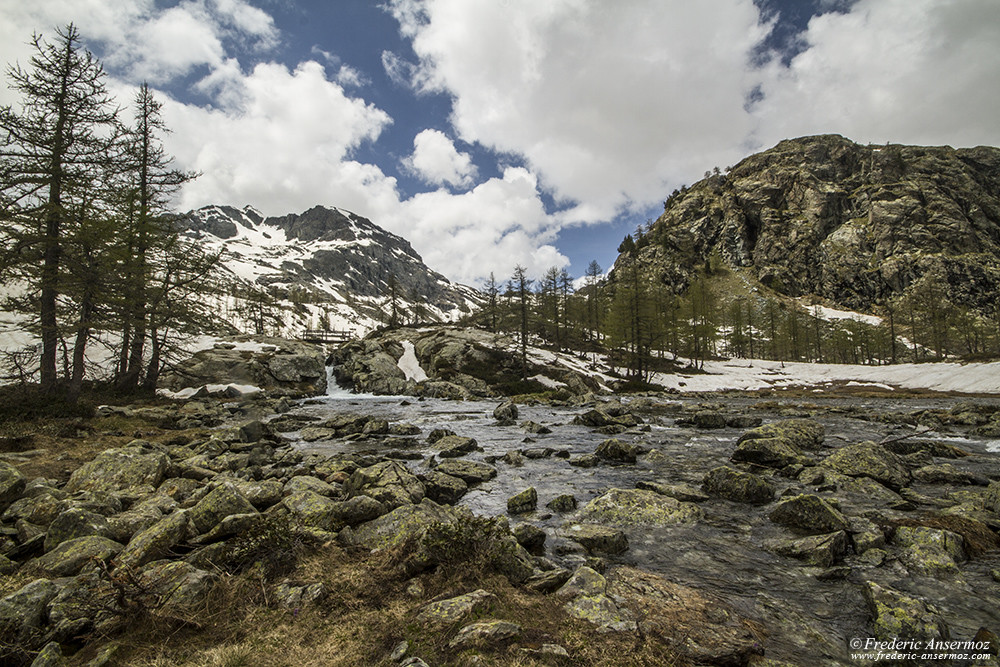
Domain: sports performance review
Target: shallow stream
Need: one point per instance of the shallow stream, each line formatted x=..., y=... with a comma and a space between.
x=808, y=621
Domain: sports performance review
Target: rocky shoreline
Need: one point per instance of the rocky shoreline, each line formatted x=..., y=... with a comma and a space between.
x=158, y=524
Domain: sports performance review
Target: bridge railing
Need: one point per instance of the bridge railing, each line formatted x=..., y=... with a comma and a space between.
x=321, y=336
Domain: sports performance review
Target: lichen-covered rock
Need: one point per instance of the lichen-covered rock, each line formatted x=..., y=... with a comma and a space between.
x=50, y=656
x=930, y=550
x=946, y=473
x=530, y=537
x=636, y=507
x=868, y=459
x=709, y=419
x=309, y=483
x=471, y=472
x=506, y=411
x=617, y=451
x=180, y=585
x=738, y=486
x=525, y=501
x=820, y=550
x=597, y=539
x=388, y=482
x=808, y=513
x=865, y=534
x=224, y=500
x=565, y=502
x=156, y=541
x=314, y=510
x=40, y=510
x=692, y=625
x=456, y=609
x=682, y=492
x=12, y=483
x=70, y=556
x=797, y=433
x=896, y=615
x=588, y=600
x=453, y=446
x=769, y=452
x=261, y=494
x=399, y=525
x=22, y=613
x=119, y=469
x=485, y=633
x=442, y=488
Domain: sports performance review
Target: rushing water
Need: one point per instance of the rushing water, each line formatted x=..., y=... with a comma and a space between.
x=810, y=621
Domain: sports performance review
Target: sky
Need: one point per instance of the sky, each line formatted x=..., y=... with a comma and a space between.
x=491, y=133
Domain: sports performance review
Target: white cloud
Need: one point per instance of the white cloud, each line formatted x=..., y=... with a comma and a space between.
x=436, y=160
x=492, y=227
x=608, y=102
x=906, y=71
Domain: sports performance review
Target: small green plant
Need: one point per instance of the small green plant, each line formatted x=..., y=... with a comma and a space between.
x=271, y=547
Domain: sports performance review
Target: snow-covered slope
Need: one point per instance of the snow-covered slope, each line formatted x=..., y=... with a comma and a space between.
x=326, y=268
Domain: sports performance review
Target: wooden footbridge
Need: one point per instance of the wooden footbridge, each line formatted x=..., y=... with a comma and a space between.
x=320, y=336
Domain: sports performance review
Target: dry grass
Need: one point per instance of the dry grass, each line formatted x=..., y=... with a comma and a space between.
x=366, y=613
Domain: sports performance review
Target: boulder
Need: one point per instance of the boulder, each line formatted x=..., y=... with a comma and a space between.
x=896, y=615
x=588, y=600
x=767, y=452
x=179, y=585
x=946, y=473
x=74, y=522
x=224, y=500
x=314, y=510
x=530, y=537
x=868, y=459
x=70, y=556
x=309, y=483
x=453, y=446
x=454, y=610
x=617, y=451
x=470, y=472
x=485, y=633
x=525, y=501
x=388, y=482
x=506, y=412
x=261, y=494
x=693, y=626
x=12, y=483
x=709, y=419
x=401, y=524
x=636, y=507
x=808, y=513
x=119, y=469
x=156, y=541
x=23, y=613
x=683, y=492
x=820, y=550
x=597, y=539
x=798, y=433
x=442, y=488
x=565, y=502
x=738, y=486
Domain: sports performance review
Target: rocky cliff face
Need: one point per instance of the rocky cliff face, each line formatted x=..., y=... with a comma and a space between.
x=849, y=223
x=339, y=264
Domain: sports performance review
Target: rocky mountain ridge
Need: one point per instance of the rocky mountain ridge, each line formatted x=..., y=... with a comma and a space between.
x=336, y=266
x=850, y=224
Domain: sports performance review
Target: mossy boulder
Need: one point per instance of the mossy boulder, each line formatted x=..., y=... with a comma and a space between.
x=313, y=510
x=401, y=524
x=261, y=494
x=798, y=433
x=596, y=538
x=442, y=488
x=310, y=483
x=454, y=610
x=768, y=452
x=589, y=601
x=738, y=486
x=119, y=469
x=485, y=634
x=222, y=501
x=75, y=522
x=12, y=483
x=453, y=446
x=868, y=459
x=388, y=482
x=808, y=513
x=525, y=501
x=682, y=492
x=896, y=615
x=691, y=625
x=179, y=585
x=617, y=451
x=820, y=550
x=156, y=541
x=23, y=613
x=71, y=556
x=930, y=551
x=637, y=507
x=565, y=502
x=471, y=472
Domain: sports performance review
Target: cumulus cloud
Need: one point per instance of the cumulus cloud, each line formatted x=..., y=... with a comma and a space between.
x=436, y=160
x=906, y=71
x=607, y=102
